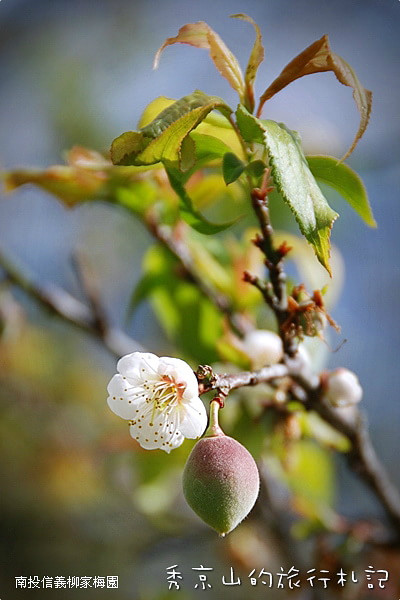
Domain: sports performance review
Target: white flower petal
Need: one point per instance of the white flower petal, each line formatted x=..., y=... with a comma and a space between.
x=175, y=442
x=263, y=347
x=180, y=372
x=123, y=398
x=194, y=419
x=159, y=397
x=139, y=366
x=153, y=429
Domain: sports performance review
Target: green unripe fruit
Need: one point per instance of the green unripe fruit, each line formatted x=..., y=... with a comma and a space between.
x=221, y=482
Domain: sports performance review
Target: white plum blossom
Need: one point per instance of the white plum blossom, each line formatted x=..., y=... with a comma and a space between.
x=160, y=399
x=343, y=388
x=263, y=347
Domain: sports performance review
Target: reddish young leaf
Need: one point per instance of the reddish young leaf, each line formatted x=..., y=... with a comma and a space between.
x=318, y=58
x=256, y=58
x=201, y=35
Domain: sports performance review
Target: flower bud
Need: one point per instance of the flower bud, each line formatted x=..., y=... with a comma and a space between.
x=343, y=388
x=263, y=347
x=221, y=482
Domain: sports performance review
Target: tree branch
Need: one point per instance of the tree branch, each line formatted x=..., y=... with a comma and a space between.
x=60, y=303
x=362, y=457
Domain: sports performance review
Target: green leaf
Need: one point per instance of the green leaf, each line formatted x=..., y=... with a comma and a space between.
x=293, y=180
x=88, y=176
x=296, y=184
x=187, y=154
x=188, y=318
x=208, y=147
x=319, y=58
x=345, y=181
x=313, y=426
x=251, y=128
x=162, y=139
x=250, y=431
x=232, y=167
x=214, y=125
x=311, y=474
x=201, y=35
x=157, y=266
x=137, y=197
x=256, y=58
x=256, y=168
x=186, y=209
x=126, y=147
x=153, y=109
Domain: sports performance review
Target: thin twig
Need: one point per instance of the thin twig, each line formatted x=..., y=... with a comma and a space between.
x=60, y=303
x=89, y=287
x=273, y=292
x=232, y=381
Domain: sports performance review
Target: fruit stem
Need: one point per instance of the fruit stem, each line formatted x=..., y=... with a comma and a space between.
x=213, y=429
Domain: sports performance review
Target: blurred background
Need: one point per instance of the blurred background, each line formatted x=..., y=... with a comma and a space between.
x=76, y=498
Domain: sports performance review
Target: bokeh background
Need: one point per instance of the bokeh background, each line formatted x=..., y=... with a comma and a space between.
x=79, y=72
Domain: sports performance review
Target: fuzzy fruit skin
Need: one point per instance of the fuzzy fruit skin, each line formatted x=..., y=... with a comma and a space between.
x=221, y=482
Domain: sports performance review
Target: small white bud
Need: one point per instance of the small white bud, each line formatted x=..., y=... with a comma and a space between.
x=343, y=388
x=348, y=413
x=304, y=356
x=263, y=347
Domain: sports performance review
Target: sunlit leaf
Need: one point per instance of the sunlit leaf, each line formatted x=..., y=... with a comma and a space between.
x=256, y=58
x=299, y=189
x=209, y=135
x=311, y=473
x=208, y=147
x=251, y=128
x=293, y=180
x=162, y=138
x=153, y=109
x=313, y=426
x=201, y=35
x=87, y=176
x=188, y=318
x=214, y=125
x=126, y=147
x=318, y=58
x=308, y=470
x=186, y=209
x=202, y=251
x=187, y=154
x=69, y=184
x=137, y=197
x=207, y=189
x=157, y=267
x=86, y=158
x=345, y=181
x=232, y=167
